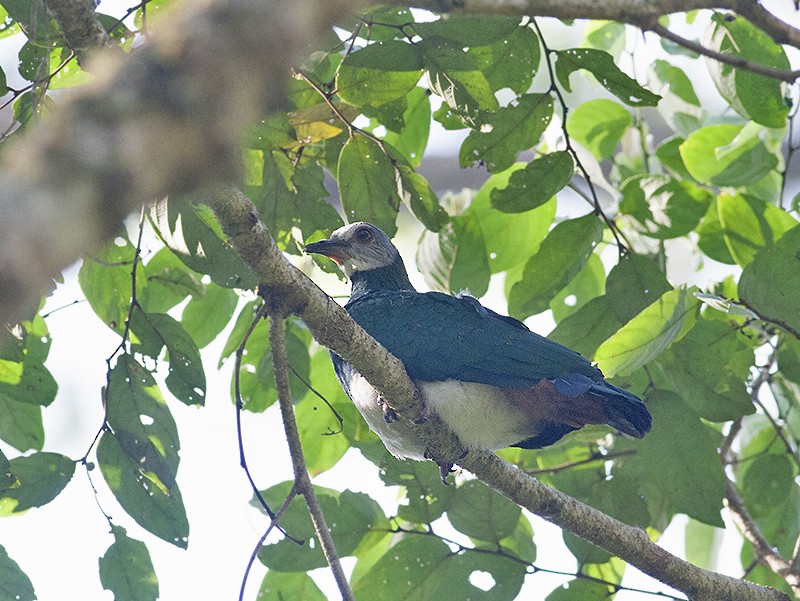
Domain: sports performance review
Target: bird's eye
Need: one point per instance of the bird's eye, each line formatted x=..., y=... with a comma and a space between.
x=364, y=234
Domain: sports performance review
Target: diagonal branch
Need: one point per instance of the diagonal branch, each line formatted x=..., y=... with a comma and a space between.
x=764, y=552
x=332, y=327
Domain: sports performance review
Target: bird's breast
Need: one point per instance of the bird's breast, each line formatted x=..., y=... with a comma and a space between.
x=481, y=416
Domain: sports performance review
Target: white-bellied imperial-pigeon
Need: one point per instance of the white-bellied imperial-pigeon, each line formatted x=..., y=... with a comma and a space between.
x=494, y=382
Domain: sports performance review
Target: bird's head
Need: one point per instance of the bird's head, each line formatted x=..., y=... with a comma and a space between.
x=357, y=247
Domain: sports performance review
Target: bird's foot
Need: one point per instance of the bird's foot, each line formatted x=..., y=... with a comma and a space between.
x=389, y=415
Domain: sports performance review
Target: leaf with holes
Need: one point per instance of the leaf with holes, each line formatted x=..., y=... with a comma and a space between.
x=368, y=184
x=537, y=183
x=127, y=570
x=601, y=64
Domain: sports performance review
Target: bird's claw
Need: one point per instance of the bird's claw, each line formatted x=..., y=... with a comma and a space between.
x=389, y=415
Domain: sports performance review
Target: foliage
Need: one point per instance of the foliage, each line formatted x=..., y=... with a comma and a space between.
x=717, y=361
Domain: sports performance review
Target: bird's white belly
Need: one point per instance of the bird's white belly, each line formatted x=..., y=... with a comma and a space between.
x=480, y=415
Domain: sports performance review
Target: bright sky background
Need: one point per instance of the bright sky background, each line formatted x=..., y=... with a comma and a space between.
x=58, y=545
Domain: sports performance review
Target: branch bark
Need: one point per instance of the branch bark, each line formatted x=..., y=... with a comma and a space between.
x=302, y=481
x=332, y=327
x=167, y=119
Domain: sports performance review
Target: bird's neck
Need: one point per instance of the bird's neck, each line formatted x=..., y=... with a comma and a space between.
x=391, y=277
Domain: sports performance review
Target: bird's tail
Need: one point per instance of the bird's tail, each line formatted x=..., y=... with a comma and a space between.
x=620, y=409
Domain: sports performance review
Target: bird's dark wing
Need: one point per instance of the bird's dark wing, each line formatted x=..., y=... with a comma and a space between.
x=440, y=337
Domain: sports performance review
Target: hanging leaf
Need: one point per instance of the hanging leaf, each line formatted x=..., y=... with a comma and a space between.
x=752, y=95
x=506, y=132
x=560, y=258
x=127, y=570
x=379, y=73
x=534, y=185
x=727, y=155
x=645, y=336
x=368, y=184
x=601, y=64
x=768, y=285
x=155, y=510
x=599, y=126
x=14, y=583
x=455, y=259
x=42, y=477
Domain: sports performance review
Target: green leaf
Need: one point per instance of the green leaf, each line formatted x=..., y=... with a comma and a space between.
x=169, y=282
x=379, y=73
x=412, y=138
x=14, y=583
x=481, y=513
x=710, y=238
x=599, y=126
x=7, y=477
x=679, y=465
x=605, y=35
x=645, y=336
x=368, y=184
x=351, y=517
x=668, y=152
x=588, y=284
x=767, y=483
x=279, y=586
x=455, y=258
x=21, y=424
x=193, y=234
x=155, y=510
x=588, y=327
x=601, y=64
x=27, y=382
x=324, y=442
x=534, y=185
x=207, y=314
x=752, y=95
x=665, y=207
x=703, y=544
x=421, y=199
x=427, y=498
x=576, y=590
x=511, y=62
x=425, y=568
x=679, y=105
x=560, y=258
x=105, y=279
x=727, y=155
x=468, y=30
x=708, y=368
x=142, y=422
x=186, y=378
x=510, y=239
x=42, y=476
x=633, y=284
x=506, y=132
x=768, y=285
x=749, y=224
x=455, y=76
x=257, y=379
x=127, y=570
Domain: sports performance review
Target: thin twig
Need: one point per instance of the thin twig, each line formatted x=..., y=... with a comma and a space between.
x=302, y=481
x=595, y=201
x=729, y=59
x=272, y=524
x=239, y=406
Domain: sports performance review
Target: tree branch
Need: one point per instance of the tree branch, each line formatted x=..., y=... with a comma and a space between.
x=332, y=327
x=166, y=119
x=302, y=481
x=729, y=59
x=80, y=27
x=764, y=552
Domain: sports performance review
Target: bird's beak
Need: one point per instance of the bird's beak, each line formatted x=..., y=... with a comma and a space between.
x=328, y=248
